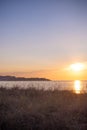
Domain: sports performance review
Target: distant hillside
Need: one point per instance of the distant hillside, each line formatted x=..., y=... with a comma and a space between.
x=13, y=78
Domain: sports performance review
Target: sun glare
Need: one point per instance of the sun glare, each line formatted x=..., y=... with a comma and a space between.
x=77, y=67
x=77, y=86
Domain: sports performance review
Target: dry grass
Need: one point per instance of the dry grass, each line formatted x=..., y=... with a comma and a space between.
x=33, y=109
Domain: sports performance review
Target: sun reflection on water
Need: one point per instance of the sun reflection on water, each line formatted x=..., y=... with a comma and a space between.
x=77, y=87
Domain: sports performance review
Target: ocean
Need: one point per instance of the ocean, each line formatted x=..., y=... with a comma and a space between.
x=76, y=86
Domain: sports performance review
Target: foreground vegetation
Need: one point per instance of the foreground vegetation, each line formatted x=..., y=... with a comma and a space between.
x=33, y=109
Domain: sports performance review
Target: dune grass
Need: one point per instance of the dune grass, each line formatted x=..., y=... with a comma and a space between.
x=32, y=109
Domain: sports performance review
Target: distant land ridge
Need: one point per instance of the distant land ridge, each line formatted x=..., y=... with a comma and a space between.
x=14, y=78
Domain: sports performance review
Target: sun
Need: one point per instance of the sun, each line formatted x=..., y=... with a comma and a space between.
x=77, y=67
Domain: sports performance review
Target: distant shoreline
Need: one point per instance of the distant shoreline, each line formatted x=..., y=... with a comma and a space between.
x=14, y=78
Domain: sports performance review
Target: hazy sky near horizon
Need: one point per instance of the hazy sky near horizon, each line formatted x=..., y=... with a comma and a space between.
x=41, y=37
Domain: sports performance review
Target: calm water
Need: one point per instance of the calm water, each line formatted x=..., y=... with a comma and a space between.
x=77, y=86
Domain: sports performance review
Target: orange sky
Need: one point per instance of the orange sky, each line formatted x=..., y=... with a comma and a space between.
x=61, y=72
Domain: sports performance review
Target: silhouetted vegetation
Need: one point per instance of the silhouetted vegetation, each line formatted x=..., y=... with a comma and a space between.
x=32, y=109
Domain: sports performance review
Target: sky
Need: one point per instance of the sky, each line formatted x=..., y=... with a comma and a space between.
x=42, y=38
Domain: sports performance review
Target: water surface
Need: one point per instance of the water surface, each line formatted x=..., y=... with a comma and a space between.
x=76, y=86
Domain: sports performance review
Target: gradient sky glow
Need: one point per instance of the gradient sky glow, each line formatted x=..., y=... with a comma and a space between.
x=40, y=38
